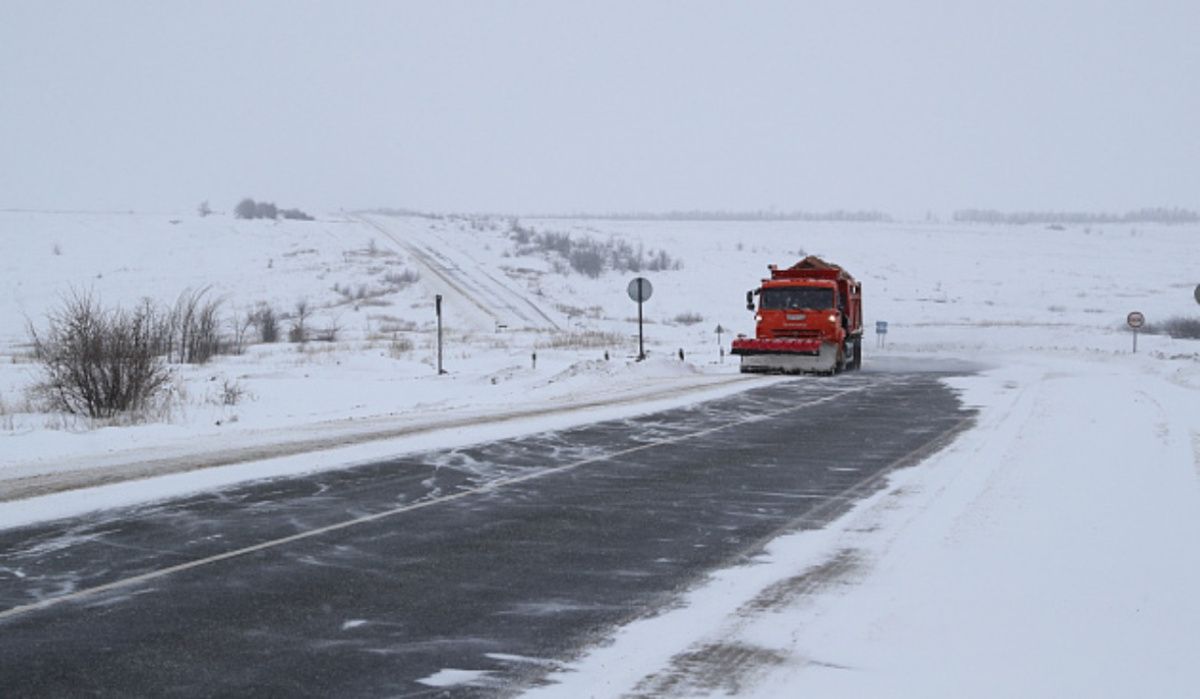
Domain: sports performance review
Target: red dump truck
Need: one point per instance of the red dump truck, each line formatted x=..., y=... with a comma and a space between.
x=808, y=319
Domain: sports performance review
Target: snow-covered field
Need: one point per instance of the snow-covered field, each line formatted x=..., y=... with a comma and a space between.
x=1049, y=551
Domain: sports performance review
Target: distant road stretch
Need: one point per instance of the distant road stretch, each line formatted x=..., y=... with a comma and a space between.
x=479, y=285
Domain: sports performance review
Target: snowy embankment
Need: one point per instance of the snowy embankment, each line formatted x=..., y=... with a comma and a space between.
x=370, y=384
x=1050, y=551
x=1047, y=551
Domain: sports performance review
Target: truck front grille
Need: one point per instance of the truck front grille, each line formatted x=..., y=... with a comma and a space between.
x=798, y=334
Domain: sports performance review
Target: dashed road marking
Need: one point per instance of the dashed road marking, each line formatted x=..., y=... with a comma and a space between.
x=485, y=488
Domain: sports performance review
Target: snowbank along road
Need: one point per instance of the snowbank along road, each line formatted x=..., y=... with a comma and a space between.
x=474, y=570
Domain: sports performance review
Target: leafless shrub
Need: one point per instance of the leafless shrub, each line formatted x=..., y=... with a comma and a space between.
x=299, y=329
x=587, y=260
x=399, y=347
x=589, y=339
x=246, y=208
x=266, y=209
x=96, y=362
x=689, y=318
x=589, y=256
x=329, y=333
x=7, y=421
x=595, y=312
x=240, y=323
x=393, y=325
x=402, y=279
x=295, y=215
x=267, y=323
x=1182, y=328
x=231, y=392
x=196, y=327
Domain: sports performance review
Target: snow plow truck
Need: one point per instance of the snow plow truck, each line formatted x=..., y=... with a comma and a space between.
x=808, y=319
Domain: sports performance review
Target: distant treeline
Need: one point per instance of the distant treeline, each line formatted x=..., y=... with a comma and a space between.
x=250, y=209
x=1159, y=215
x=835, y=215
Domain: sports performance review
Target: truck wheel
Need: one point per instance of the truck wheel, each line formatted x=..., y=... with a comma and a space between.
x=856, y=363
x=840, y=362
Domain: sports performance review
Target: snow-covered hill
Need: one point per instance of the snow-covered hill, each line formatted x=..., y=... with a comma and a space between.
x=1048, y=551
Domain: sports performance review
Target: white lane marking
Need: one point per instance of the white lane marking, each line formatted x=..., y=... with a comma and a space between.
x=485, y=488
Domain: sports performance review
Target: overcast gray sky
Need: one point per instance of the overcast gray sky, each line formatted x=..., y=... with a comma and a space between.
x=559, y=106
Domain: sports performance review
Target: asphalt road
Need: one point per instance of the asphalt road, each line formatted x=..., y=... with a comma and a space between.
x=506, y=558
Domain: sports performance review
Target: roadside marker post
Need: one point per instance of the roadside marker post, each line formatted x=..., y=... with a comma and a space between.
x=437, y=300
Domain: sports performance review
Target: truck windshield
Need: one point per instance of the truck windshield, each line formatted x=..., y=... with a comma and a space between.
x=797, y=297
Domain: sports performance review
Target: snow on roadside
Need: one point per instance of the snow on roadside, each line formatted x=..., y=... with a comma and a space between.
x=1048, y=552
x=358, y=442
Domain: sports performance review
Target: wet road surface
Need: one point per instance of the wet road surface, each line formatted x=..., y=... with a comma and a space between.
x=503, y=558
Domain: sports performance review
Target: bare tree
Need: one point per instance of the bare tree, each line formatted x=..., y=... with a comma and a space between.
x=245, y=208
x=241, y=323
x=299, y=331
x=265, y=209
x=267, y=323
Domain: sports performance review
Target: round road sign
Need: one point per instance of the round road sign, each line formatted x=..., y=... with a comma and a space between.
x=1197, y=293
x=640, y=289
x=1135, y=319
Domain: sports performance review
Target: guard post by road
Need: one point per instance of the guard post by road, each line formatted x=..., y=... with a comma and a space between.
x=1135, y=320
x=437, y=302
x=639, y=290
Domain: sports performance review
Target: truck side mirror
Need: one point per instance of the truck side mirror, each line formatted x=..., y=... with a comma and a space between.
x=749, y=300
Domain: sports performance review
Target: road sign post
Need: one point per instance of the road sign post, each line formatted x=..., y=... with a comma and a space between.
x=639, y=290
x=437, y=301
x=720, y=346
x=1135, y=320
x=881, y=328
